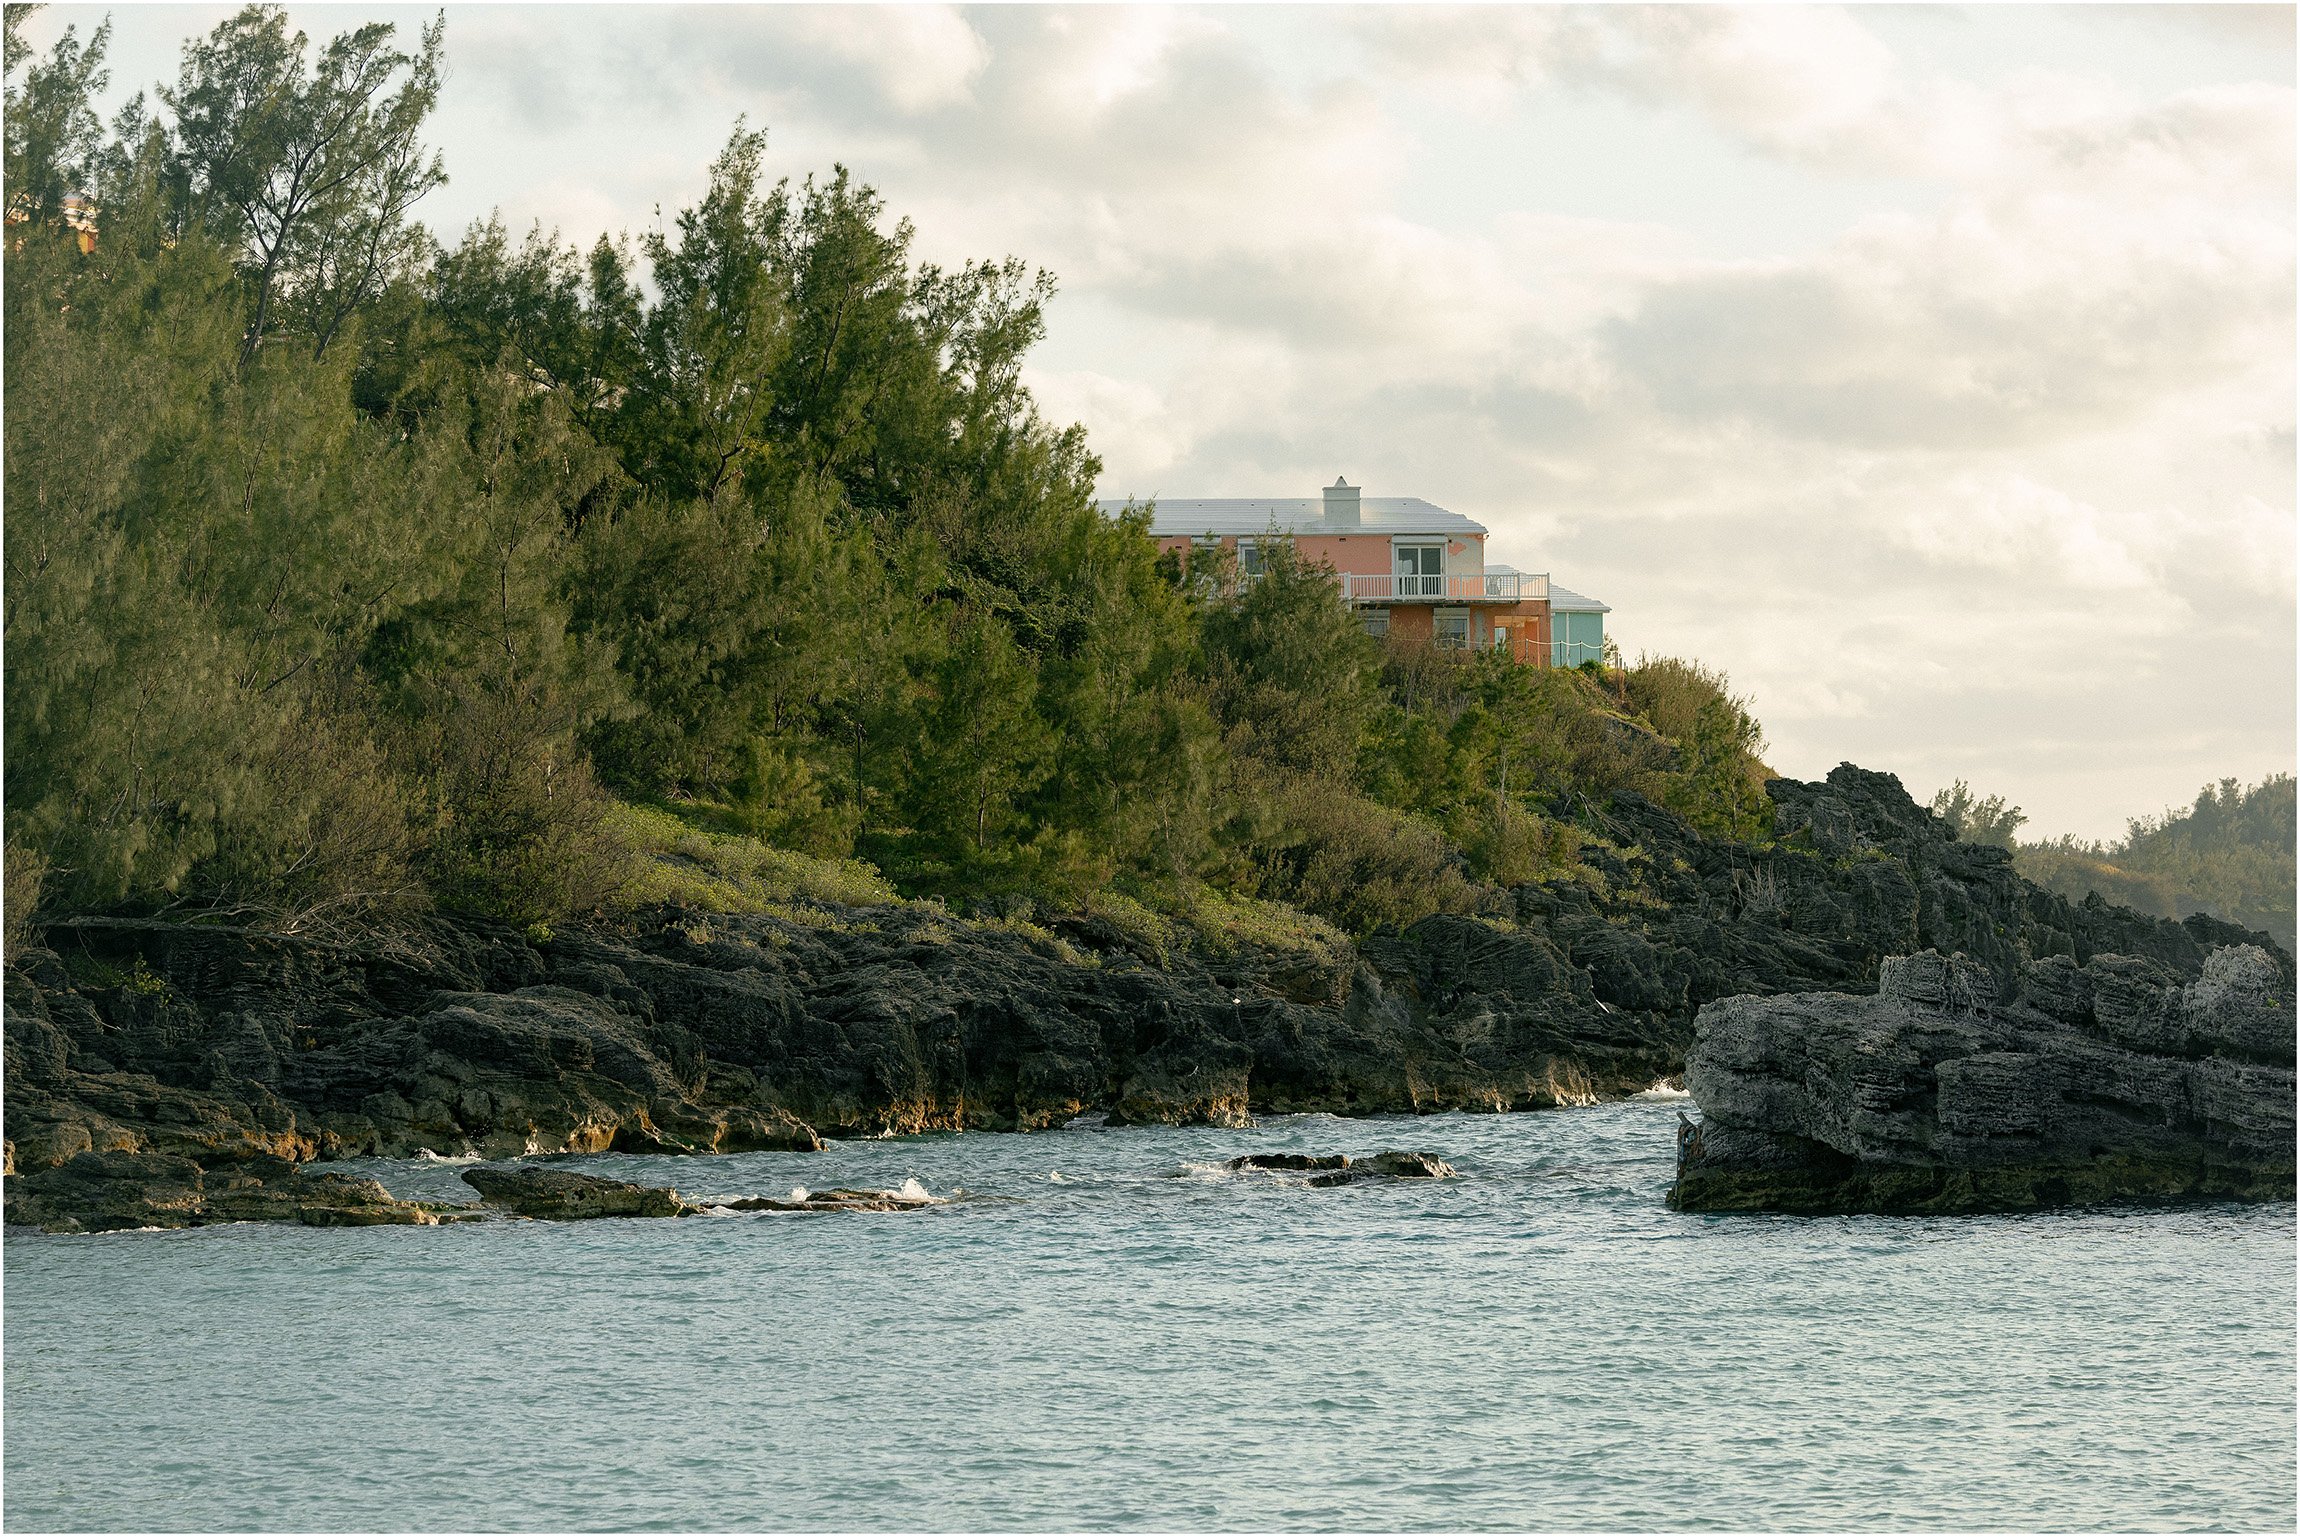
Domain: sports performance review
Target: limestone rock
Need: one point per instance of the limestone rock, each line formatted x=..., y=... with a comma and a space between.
x=1389, y=1165
x=1289, y=1161
x=1397, y=1165
x=112, y=1190
x=563, y=1196
x=2111, y=1079
x=1342, y=1169
x=835, y=1200
x=673, y=1031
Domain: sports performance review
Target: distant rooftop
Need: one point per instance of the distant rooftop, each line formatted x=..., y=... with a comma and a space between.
x=1564, y=600
x=1232, y=516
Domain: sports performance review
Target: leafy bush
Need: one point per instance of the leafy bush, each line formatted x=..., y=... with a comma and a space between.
x=1988, y=819
x=23, y=871
x=1225, y=923
x=672, y=860
x=1359, y=864
x=1718, y=781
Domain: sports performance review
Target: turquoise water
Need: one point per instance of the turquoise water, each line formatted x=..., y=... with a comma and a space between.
x=1145, y=1341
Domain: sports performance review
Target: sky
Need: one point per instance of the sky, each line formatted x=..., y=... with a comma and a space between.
x=1928, y=370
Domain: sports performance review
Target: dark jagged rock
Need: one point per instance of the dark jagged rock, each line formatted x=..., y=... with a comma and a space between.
x=98, y=1192
x=1389, y=1165
x=559, y=1195
x=1289, y=1161
x=1342, y=1169
x=834, y=1200
x=2117, y=1079
x=1397, y=1165
x=677, y=1031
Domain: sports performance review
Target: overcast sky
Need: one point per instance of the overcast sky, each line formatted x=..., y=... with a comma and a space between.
x=1929, y=370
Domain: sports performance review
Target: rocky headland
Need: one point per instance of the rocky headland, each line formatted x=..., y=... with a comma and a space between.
x=1946, y=1091
x=209, y=1065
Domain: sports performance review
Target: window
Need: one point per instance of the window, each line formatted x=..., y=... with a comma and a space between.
x=1421, y=570
x=1376, y=621
x=1501, y=637
x=1450, y=628
x=1251, y=561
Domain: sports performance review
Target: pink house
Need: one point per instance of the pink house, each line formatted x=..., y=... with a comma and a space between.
x=1409, y=569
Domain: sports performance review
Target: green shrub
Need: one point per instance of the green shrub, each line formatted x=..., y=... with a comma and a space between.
x=1359, y=864
x=24, y=870
x=1718, y=780
x=674, y=861
x=1224, y=924
x=523, y=832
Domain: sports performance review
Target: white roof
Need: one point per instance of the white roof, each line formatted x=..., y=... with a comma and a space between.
x=1230, y=516
x=1564, y=600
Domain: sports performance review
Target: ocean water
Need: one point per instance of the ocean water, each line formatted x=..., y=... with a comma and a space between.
x=1101, y=1329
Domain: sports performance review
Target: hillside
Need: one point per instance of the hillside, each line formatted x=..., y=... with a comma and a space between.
x=163, y=1074
x=347, y=595
x=2230, y=855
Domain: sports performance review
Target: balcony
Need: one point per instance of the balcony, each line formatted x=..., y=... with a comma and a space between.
x=1491, y=587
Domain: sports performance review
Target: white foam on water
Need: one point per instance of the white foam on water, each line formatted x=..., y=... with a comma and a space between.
x=1205, y=1171
x=1054, y=1177
x=426, y=1155
x=800, y=1192
x=1661, y=1091
x=912, y=1190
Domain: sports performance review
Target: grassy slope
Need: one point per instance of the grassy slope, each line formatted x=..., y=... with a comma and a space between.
x=680, y=857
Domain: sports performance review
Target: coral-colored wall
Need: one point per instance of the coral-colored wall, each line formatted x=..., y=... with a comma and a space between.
x=1528, y=626
x=1528, y=622
x=1411, y=621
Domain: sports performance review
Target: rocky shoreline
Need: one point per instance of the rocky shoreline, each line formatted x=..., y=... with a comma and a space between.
x=170, y=1074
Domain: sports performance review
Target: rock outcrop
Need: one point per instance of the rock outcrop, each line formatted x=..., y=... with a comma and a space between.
x=676, y=1031
x=1342, y=1169
x=2116, y=1079
x=560, y=1195
x=834, y=1200
x=100, y=1192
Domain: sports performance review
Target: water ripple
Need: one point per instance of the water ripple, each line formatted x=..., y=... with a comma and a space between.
x=1151, y=1342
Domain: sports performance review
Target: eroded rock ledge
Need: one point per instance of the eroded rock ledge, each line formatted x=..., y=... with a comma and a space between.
x=2118, y=1079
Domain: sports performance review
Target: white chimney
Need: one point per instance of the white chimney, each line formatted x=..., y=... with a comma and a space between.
x=1341, y=504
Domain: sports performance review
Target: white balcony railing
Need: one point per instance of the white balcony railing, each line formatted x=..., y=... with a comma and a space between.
x=1490, y=587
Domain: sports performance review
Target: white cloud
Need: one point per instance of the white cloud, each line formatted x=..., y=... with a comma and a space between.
x=920, y=58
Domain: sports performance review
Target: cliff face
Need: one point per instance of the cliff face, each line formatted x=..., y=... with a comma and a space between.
x=676, y=1031
x=687, y=1033
x=1857, y=872
x=2117, y=1078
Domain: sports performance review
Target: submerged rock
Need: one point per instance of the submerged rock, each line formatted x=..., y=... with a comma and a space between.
x=1389, y=1165
x=1410, y=1166
x=1342, y=1169
x=561, y=1196
x=1289, y=1161
x=1945, y=1092
x=835, y=1200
